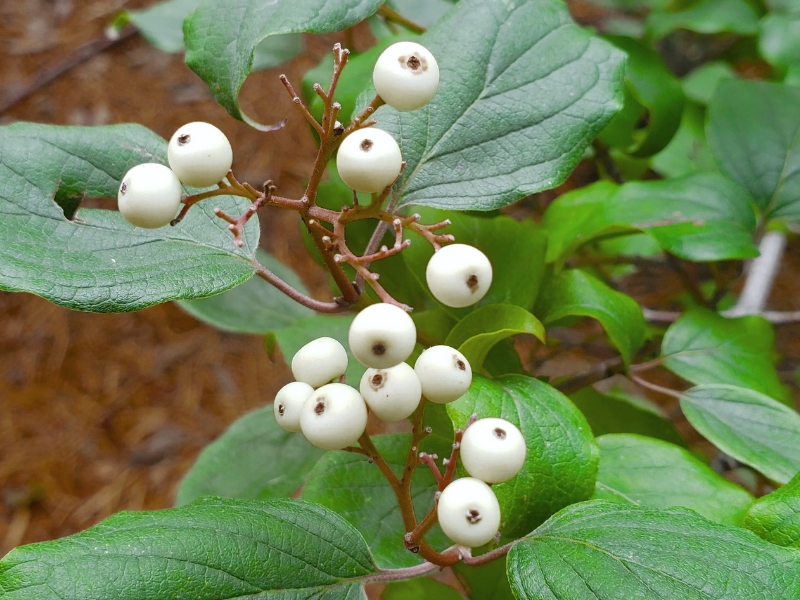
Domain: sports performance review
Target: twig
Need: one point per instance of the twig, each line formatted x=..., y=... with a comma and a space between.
x=761, y=275
x=600, y=371
x=405, y=573
x=655, y=387
x=75, y=58
x=604, y=156
x=776, y=317
x=296, y=295
x=468, y=559
x=390, y=15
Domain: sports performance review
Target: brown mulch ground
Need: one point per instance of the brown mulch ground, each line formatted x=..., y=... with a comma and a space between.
x=100, y=413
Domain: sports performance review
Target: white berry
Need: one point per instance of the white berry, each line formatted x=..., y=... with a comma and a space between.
x=468, y=512
x=459, y=275
x=369, y=160
x=149, y=196
x=289, y=402
x=392, y=394
x=319, y=362
x=406, y=76
x=382, y=336
x=444, y=373
x=492, y=450
x=200, y=154
x=334, y=416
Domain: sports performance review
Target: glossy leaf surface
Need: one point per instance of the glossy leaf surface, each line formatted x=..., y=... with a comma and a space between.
x=602, y=551
x=750, y=427
x=644, y=471
x=754, y=133
x=704, y=347
x=213, y=549
x=481, y=143
x=576, y=293
x=776, y=516
x=561, y=462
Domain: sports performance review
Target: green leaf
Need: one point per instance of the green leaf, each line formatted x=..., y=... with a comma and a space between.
x=779, y=39
x=609, y=413
x=482, y=143
x=253, y=460
x=754, y=133
x=705, y=347
x=700, y=217
x=162, y=26
x=706, y=16
x=688, y=151
x=255, y=306
x=699, y=85
x=291, y=339
x=776, y=516
x=561, y=463
x=221, y=38
x=480, y=330
x=485, y=582
x=423, y=12
x=608, y=551
x=516, y=251
x=419, y=589
x=97, y=261
x=213, y=549
x=576, y=293
x=644, y=471
x=357, y=490
x=651, y=86
x=750, y=427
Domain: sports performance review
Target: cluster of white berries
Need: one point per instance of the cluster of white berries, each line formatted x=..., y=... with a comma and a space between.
x=333, y=415
x=492, y=451
x=406, y=77
x=199, y=155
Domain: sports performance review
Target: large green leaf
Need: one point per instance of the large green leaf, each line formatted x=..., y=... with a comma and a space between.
x=561, y=463
x=523, y=91
x=700, y=217
x=576, y=293
x=480, y=330
x=291, y=339
x=754, y=133
x=213, y=549
x=618, y=413
x=652, y=93
x=602, y=551
x=776, y=516
x=706, y=16
x=357, y=490
x=221, y=37
x=97, y=261
x=516, y=251
x=688, y=151
x=649, y=472
x=255, y=306
x=705, y=347
x=749, y=426
x=253, y=460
